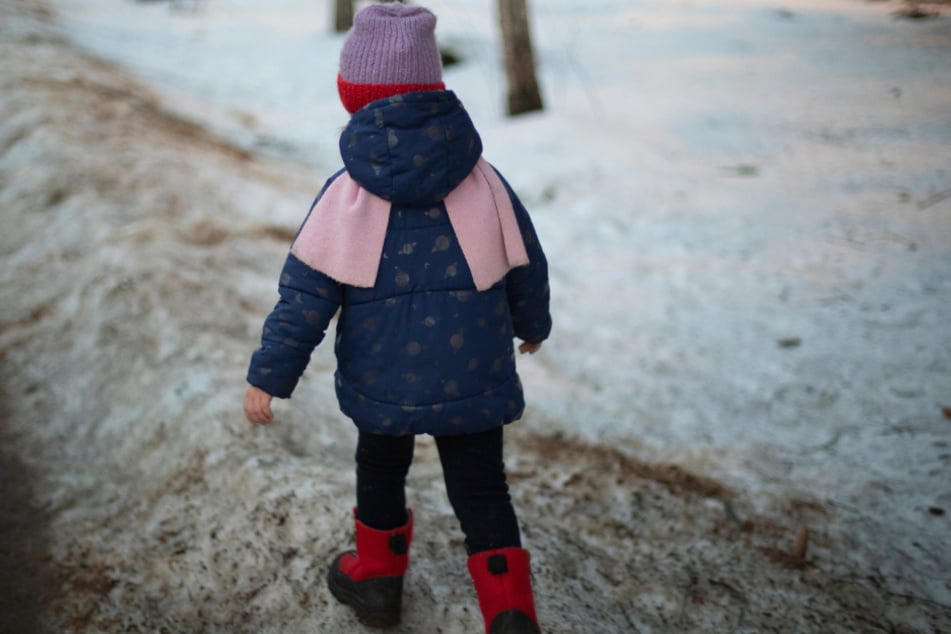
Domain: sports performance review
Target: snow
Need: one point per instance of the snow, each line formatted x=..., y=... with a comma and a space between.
x=746, y=209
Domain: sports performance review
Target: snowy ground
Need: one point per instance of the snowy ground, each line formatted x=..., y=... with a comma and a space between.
x=747, y=207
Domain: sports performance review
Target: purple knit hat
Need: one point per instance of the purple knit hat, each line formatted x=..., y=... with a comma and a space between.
x=390, y=50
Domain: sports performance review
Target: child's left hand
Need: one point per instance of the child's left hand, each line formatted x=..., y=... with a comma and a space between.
x=257, y=406
x=530, y=348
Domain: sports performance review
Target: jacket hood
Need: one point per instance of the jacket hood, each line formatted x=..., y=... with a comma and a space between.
x=411, y=149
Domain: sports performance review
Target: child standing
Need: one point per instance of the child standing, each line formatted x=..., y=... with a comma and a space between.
x=435, y=267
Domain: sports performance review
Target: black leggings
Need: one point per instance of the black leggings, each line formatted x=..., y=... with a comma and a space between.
x=475, y=481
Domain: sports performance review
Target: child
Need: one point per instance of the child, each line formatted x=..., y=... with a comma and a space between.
x=435, y=267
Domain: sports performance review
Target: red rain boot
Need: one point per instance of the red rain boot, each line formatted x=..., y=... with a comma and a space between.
x=502, y=582
x=370, y=579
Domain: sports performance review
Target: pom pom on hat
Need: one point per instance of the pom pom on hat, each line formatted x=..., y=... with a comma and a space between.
x=390, y=50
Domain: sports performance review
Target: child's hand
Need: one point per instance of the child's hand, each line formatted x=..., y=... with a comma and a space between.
x=530, y=348
x=257, y=406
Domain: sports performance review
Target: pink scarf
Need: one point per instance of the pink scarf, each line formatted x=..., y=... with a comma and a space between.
x=343, y=236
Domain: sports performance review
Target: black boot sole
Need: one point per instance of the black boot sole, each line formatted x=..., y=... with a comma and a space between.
x=513, y=622
x=377, y=602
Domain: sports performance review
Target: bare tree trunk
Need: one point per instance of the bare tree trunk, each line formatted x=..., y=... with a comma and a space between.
x=343, y=16
x=523, y=93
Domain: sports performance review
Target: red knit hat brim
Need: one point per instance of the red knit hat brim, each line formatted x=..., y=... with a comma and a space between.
x=355, y=96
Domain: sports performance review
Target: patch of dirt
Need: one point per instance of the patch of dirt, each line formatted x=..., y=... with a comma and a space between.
x=683, y=552
x=923, y=9
x=609, y=463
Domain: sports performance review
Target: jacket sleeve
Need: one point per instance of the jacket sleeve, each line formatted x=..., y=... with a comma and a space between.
x=308, y=301
x=527, y=286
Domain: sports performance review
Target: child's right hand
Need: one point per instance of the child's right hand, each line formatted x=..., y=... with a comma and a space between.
x=257, y=406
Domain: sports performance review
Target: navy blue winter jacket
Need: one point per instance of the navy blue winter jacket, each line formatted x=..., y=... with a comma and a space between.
x=422, y=351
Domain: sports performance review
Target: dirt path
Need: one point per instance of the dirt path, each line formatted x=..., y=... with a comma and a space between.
x=136, y=270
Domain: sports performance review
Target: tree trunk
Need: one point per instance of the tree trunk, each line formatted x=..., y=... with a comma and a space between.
x=523, y=93
x=343, y=16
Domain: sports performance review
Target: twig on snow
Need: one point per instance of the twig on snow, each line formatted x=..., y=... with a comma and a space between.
x=934, y=199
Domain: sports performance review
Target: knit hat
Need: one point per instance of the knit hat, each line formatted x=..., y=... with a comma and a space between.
x=390, y=50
